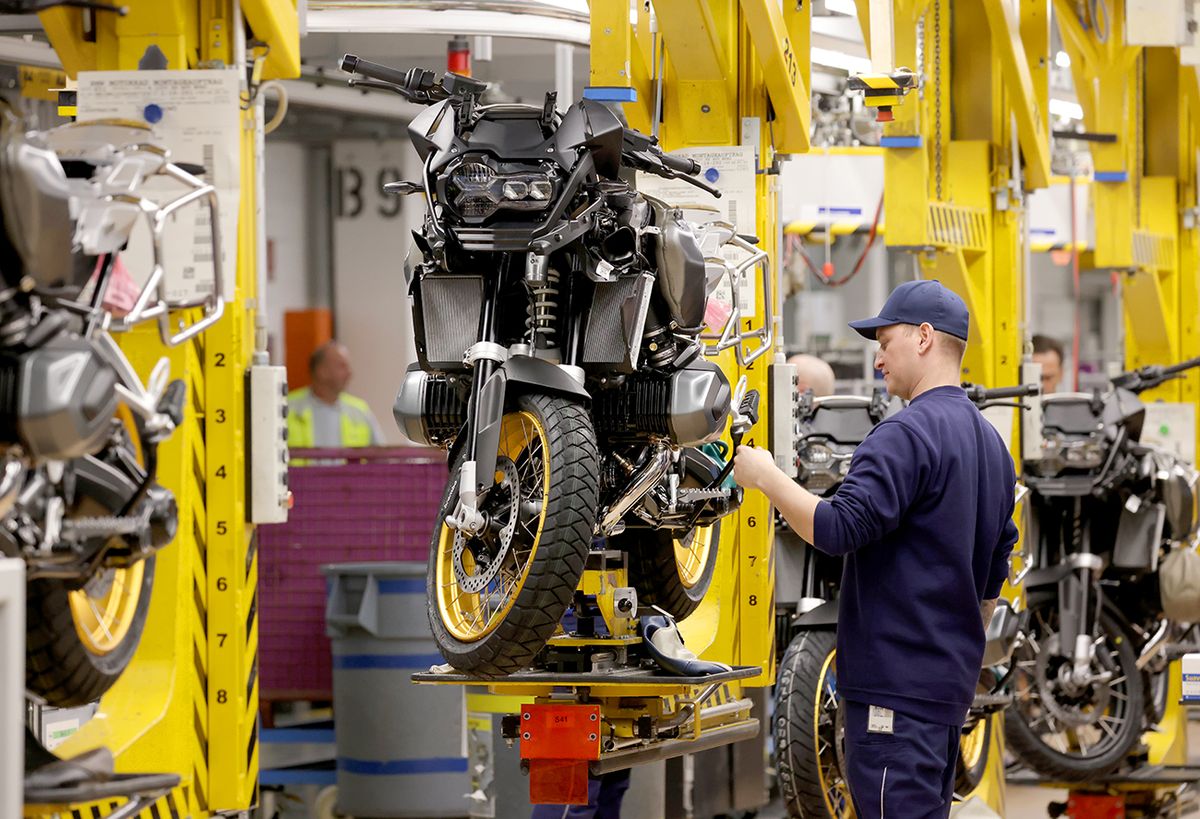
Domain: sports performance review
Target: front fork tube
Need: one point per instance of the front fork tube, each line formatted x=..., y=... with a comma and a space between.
x=1079, y=596
x=466, y=515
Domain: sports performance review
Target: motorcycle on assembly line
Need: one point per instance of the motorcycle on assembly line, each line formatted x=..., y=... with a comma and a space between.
x=1090, y=673
x=79, y=502
x=808, y=728
x=560, y=323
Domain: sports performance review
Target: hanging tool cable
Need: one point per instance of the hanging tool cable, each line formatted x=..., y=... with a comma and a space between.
x=826, y=277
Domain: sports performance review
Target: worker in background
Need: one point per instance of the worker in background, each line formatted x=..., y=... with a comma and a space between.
x=1049, y=353
x=324, y=414
x=924, y=520
x=812, y=374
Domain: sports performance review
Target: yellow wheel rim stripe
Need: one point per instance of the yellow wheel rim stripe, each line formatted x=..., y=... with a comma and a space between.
x=103, y=622
x=691, y=555
x=974, y=744
x=848, y=808
x=466, y=616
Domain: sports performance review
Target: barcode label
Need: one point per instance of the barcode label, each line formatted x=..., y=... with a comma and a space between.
x=209, y=160
x=733, y=216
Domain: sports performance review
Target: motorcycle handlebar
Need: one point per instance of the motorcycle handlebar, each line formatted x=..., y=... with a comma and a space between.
x=679, y=163
x=352, y=64
x=980, y=394
x=1186, y=365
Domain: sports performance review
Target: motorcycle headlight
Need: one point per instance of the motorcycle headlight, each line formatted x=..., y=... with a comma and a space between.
x=478, y=190
x=816, y=455
x=472, y=175
x=1059, y=454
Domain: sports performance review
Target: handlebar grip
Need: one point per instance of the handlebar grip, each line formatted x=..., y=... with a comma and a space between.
x=1023, y=391
x=681, y=164
x=352, y=65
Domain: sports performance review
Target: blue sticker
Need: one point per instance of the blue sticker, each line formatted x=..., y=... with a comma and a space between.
x=153, y=113
x=712, y=175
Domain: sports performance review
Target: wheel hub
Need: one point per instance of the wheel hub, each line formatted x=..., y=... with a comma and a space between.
x=1072, y=702
x=505, y=500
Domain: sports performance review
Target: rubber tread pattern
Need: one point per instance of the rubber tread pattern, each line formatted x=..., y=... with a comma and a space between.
x=795, y=745
x=58, y=667
x=654, y=572
x=1054, y=765
x=559, y=560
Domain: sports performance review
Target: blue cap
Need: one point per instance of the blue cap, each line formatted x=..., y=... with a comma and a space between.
x=917, y=303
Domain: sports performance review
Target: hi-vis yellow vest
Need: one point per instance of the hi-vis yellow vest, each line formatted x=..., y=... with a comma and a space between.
x=355, y=426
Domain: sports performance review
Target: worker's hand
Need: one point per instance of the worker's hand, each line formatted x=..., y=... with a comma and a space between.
x=752, y=466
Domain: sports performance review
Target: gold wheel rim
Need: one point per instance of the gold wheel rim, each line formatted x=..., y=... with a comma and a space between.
x=974, y=745
x=469, y=617
x=830, y=790
x=691, y=555
x=104, y=615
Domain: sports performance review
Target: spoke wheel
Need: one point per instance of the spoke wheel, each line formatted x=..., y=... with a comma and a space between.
x=809, y=730
x=670, y=570
x=973, y=754
x=496, y=597
x=1067, y=729
x=80, y=639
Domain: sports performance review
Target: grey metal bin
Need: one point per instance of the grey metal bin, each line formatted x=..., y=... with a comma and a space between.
x=400, y=746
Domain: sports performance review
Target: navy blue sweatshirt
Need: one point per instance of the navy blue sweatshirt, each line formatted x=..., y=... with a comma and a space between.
x=924, y=519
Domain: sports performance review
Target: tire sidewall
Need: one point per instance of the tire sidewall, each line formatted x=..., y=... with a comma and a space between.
x=477, y=656
x=101, y=670
x=1053, y=764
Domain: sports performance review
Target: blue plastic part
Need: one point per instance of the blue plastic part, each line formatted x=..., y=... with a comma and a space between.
x=407, y=585
x=1112, y=176
x=153, y=113
x=296, y=776
x=296, y=736
x=393, y=767
x=712, y=175
x=610, y=93
x=901, y=141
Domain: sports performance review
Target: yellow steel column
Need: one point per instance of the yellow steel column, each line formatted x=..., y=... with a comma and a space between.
x=189, y=702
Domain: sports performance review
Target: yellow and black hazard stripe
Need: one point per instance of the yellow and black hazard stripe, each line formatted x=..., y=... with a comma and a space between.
x=883, y=89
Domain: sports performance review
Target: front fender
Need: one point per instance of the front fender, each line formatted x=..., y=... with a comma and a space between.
x=519, y=375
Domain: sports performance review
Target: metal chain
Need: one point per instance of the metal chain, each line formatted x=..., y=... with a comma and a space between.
x=937, y=99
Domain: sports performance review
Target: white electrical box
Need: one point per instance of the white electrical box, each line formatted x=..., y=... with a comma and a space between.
x=267, y=444
x=1031, y=418
x=784, y=403
x=1159, y=23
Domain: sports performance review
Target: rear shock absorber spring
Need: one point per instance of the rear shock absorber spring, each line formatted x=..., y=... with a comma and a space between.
x=543, y=311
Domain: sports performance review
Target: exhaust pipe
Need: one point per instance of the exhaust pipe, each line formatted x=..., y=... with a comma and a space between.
x=643, y=482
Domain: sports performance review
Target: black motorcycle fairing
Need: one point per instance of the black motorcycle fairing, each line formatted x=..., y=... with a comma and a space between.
x=823, y=616
x=682, y=274
x=1124, y=409
x=517, y=376
x=432, y=130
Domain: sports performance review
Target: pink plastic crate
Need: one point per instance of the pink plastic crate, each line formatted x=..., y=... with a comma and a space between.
x=377, y=504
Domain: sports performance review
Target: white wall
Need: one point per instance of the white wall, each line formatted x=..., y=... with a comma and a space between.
x=288, y=167
x=372, y=316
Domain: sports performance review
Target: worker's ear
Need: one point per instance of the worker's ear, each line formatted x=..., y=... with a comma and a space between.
x=926, y=335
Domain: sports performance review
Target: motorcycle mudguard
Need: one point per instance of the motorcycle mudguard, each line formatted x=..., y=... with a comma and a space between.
x=518, y=375
x=823, y=616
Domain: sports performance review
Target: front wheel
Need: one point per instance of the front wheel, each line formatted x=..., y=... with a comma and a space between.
x=1067, y=729
x=495, y=599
